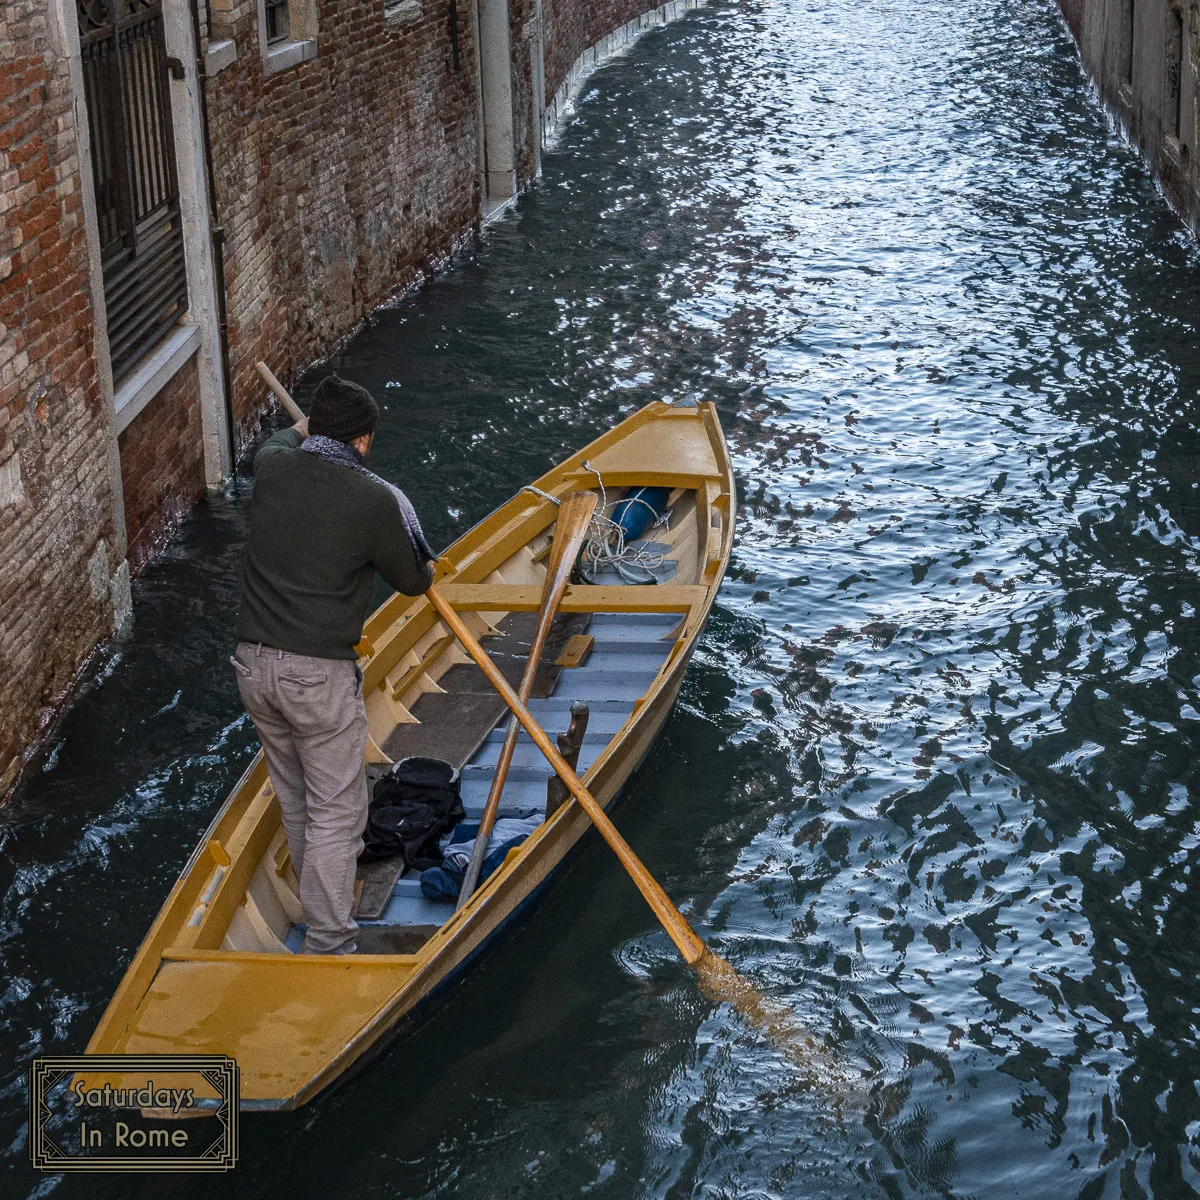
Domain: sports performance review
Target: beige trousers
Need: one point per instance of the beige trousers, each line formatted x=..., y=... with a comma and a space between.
x=312, y=723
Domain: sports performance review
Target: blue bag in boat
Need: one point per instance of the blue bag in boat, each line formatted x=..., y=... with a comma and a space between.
x=445, y=881
x=640, y=509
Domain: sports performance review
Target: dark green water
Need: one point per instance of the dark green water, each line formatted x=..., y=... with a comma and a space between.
x=930, y=783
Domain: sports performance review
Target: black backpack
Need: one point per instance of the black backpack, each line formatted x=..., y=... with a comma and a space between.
x=415, y=803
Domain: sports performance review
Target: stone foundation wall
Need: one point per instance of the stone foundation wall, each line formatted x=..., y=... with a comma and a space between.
x=1144, y=56
x=56, y=504
x=570, y=83
x=162, y=466
x=572, y=27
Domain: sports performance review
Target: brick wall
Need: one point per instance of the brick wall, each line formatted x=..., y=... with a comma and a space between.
x=340, y=180
x=1145, y=59
x=571, y=26
x=56, y=528
x=348, y=177
x=162, y=465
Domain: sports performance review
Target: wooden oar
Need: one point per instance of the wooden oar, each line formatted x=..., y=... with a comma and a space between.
x=574, y=516
x=717, y=978
x=269, y=379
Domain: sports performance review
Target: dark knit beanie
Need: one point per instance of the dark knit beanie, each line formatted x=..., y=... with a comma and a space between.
x=342, y=410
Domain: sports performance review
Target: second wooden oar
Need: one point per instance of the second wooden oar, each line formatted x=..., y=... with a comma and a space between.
x=718, y=979
x=574, y=516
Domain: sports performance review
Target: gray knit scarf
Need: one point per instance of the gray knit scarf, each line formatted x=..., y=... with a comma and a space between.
x=334, y=451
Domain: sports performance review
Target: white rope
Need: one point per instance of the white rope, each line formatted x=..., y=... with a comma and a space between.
x=605, y=545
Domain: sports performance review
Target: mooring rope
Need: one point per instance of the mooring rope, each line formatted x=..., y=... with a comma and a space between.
x=605, y=545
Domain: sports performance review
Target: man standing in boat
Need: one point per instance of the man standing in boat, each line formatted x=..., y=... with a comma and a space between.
x=321, y=525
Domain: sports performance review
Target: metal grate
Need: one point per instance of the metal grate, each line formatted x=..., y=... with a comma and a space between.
x=133, y=162
x=279, y=26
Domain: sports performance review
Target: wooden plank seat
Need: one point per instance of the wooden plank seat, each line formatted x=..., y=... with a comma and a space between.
x=589, y=598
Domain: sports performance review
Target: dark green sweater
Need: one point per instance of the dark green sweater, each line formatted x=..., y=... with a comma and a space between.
x=318, y=533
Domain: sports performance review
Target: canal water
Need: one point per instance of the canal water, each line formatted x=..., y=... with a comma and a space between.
x=931, y=782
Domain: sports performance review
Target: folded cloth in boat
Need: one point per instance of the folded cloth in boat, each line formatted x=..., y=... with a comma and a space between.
x=413, y=805
x=530, y=817
x=446, y=880
x=505, y=829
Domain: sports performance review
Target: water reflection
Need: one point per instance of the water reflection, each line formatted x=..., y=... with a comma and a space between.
x=931, y=779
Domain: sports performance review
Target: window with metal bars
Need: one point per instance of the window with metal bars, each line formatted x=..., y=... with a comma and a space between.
x=279, y=27
x=133, y=165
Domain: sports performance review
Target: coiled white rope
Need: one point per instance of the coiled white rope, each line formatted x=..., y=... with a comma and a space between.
x=605, y=545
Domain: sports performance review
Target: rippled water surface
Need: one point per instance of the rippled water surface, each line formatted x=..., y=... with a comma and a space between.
x=930, y=782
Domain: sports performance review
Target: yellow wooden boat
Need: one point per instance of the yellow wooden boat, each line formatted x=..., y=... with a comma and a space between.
x=218, y=973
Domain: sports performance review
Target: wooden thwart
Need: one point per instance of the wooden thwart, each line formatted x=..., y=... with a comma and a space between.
x=518, y=597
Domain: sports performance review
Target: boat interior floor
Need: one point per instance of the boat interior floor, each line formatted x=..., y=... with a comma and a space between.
x=464, y=725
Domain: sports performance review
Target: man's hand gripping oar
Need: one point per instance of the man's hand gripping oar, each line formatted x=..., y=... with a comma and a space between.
x=293, y=409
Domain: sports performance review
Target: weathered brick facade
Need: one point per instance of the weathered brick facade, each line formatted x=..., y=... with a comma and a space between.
x=56, y=527
x=342, y=175
x=340, y=179
x=162, y=466
x=347, y=177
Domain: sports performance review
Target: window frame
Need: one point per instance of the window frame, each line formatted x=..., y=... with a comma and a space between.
x=299, y=44
x=276, y=8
